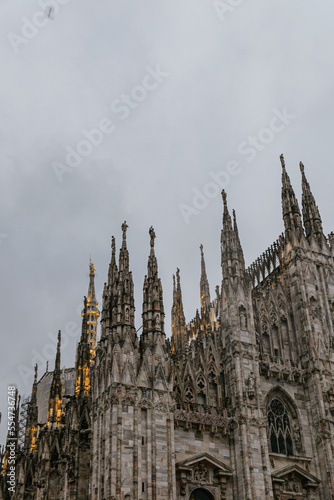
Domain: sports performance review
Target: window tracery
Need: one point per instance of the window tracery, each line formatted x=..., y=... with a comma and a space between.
x=279, y=428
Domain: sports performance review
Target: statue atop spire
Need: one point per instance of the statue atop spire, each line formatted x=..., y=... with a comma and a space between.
x=124, y=254
x=152, y=236
x=124, y=229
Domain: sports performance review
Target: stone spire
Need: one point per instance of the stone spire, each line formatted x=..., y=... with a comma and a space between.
x=123, y=316
x=118, y=295
x=112, y=266
x=83, y=361
x=92, y=313
x=311, y=214
x=232, y=257
x=290, y=207
x=179, y=336
x=227, y=222
x=107, y=294
x=55, y=400
x=32, y=418
x=153, y=309
x=204, y=285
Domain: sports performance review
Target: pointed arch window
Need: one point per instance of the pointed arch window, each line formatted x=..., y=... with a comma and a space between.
x=188, y=391
x=201, y=382
x=279, y=428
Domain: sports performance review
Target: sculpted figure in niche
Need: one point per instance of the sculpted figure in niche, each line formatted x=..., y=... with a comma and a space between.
x=251, y=382
x=243, y=318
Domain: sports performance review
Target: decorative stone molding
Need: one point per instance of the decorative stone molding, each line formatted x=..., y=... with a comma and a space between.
x=203, y=470
x=293, y=482
x=210, y=418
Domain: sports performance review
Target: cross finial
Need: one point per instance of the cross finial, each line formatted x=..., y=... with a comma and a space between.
x=152, y=236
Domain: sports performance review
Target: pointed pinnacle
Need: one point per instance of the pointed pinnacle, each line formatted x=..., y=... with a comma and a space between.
x=235, y=226
x=178, y=277
x=301, y=166
x=36, y=372
x=282, y=161
x=224, y=196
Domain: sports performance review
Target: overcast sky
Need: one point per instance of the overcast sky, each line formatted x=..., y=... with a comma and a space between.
x=183, y=91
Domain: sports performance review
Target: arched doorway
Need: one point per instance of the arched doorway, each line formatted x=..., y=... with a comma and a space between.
x=200, y=494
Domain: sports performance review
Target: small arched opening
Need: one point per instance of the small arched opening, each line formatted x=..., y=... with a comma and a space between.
x=201, y=494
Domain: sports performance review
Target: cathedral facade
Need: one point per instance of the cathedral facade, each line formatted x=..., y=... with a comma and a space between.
x=237, y=405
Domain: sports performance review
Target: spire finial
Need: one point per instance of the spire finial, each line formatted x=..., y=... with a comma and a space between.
x=113, y=245
x=301, y=166
x=282, y=161
x=91, y=268
x=201, y=249
x=178, y=277
x=224, y=196
x=57, y=364
x=152, y=236
x=227, y=223
x=36, y=372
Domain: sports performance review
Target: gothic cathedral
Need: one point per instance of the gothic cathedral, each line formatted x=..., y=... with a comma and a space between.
x=237, y=405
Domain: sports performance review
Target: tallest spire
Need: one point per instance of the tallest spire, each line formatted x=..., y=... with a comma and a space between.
x=92, y=313
x=311, y=214
x=290, y=207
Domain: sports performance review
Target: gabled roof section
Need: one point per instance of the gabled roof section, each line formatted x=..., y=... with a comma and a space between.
x=208, y=460
x=303, y=475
